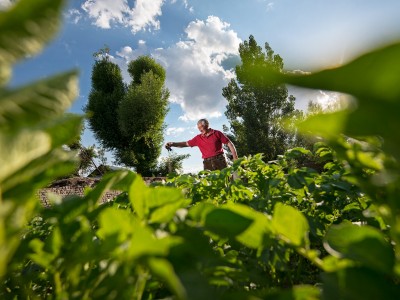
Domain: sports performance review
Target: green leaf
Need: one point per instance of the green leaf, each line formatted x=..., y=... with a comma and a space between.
x=144, y=243
x=258, y=232
x=119, y=180
x=25, y=182
x=363, y=244
x=358, y=283
x=115, y=222
x=352, y=206
x=299, y=292
x=372, y=78
x=199, y=211
x=63, y=130
x=39, y=256
x=157, y=205
x=325, y=125
x=226, y=223
x=138, y=194
x=342, y=185
x=25, y=29
x=164, y=270
x=290, y=224
x=44, y=253
x=296, y=180
x=166, y=212
x=39, y=101
x=16, y=151
x=297, y=152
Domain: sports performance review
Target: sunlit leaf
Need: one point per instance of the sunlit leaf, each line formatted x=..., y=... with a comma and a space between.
x=16, y=151
x=64, y=129
x=37, y=174
x=163, y=269
x=259, y=231
x=226, y=223
x=290, y=224
x=138, y=194
x=372, y=78
x=115, y=222
x=145, y=243
x=109, y=182
x=296, y=152
x=155, y=204
x=325, y=125
x=39, y=101
x=165, y=213
x=25, y=29
x=299, y=292
x=363, y=244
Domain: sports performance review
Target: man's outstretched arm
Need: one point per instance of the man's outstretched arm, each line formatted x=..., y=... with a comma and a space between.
x=176, y=144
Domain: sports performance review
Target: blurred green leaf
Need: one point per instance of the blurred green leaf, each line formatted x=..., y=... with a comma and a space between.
x=138, y=194
x=259, y=231
x=114, y=180
x=299, y=292
x=163, y=269
x=226, y=223
x=290, y=224
x=144, y=243
x=25, y=29
x=37, y=102
x=64, y=129
x=165, y=213
x=157, y=205
x=16, y=151
x=297, y=152
x=363, y=244
x=327, y=125
x=372, y=78
x=115, y=222
x=358, y=283
x=37, y=174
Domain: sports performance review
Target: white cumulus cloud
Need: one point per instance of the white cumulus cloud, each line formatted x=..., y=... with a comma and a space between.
x=174, y=131
x=5, y=4
x=73, y=15
x=195, y=76
x=125, y=55
x=142, y=16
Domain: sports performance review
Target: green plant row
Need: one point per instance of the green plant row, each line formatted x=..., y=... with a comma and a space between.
x=278, y=230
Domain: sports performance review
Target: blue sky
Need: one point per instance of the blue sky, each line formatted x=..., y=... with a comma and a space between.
x=197, y=41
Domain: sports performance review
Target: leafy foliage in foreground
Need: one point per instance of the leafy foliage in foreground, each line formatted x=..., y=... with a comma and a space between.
x=269, y=233
x=32, y=124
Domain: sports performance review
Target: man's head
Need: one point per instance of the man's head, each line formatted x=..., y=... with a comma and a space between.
x=202, y=125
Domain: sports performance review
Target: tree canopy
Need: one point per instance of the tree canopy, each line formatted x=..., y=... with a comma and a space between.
x=129, y=119
x=256, y=112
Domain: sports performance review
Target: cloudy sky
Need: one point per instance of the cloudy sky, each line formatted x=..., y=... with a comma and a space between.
x=197, y=43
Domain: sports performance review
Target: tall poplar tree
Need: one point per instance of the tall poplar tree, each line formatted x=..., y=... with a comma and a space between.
x=255, y=111
x=129, y=120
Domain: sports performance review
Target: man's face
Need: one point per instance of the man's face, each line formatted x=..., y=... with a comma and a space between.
x=202, y=128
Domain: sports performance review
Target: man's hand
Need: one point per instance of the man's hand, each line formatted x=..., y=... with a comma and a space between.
x=175, y=144
x=168, y=146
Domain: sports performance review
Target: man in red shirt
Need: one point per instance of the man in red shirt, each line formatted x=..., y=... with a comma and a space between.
x=210, y=143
